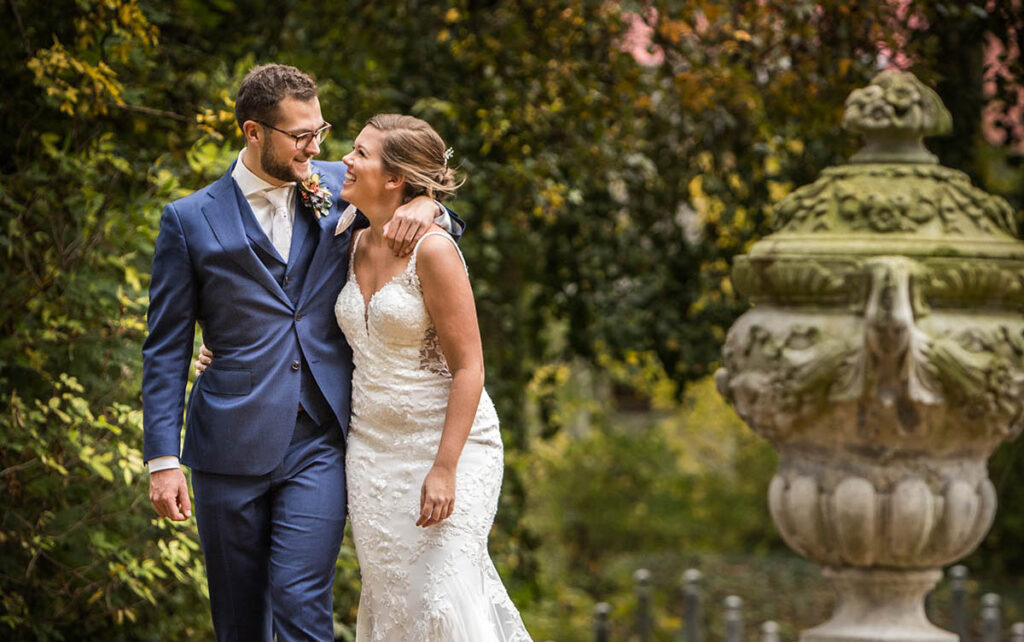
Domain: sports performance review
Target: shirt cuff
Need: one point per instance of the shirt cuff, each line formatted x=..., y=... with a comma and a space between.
x=443, y=219
x=166, y=462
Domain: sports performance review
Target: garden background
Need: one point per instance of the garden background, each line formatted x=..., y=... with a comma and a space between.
x=618, y=154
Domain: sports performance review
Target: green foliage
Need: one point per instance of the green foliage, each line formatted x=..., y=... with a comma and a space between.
x=83, y=556
x=694, y=481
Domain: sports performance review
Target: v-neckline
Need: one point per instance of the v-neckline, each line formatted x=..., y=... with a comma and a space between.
x=367, y=301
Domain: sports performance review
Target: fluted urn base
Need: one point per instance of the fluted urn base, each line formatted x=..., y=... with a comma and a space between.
x=876, y=605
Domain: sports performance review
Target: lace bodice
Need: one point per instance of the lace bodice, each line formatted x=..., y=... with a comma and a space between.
x=436, y=583
x=400, y=369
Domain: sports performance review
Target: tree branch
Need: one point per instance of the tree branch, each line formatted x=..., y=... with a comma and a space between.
x=150, y=111
x=21, y=29
x=10, y=470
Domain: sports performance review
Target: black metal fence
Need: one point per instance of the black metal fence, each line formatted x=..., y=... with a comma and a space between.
x=989, y=618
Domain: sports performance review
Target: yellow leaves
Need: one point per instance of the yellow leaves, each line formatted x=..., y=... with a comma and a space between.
x=706, y=162
x=739, y=217
x=120, y=24
x=551, y=200
x=76, y=85
x=642, y=371
x=709, y=208
x=219, y=118
x=452, y=15
x=53, y=464
x=696, y=92
x=206, y=154
x=97, y=461
x=214, y=121
x=71, y=383
x=777, y=190
x=548, y=377
x=131, y=276
x=444, y=36
x=713, y=11
x=121, y=614
x=674, y=30
x=726, y=287
x=110, y=29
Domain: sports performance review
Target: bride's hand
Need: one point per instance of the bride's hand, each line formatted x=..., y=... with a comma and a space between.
x=437, y=497
x=204, y=359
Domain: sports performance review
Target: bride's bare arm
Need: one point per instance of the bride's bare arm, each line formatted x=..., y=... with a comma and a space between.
x=449, y=300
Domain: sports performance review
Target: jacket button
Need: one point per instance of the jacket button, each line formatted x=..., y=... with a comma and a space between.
x=296, y=365
x=287, y=280
x=298, y=317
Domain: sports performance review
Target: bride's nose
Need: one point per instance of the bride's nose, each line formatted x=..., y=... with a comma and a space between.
x=347, y=159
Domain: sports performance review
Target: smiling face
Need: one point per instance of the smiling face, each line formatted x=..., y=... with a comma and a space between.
x=278, y=157
x=366, y=181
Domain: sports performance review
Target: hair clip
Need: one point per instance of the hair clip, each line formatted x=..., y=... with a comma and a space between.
x=448, y=153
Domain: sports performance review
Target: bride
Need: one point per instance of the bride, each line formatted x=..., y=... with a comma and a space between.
x=424, y=454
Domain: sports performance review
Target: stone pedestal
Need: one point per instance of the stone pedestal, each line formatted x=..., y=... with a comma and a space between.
x=876, y=604
x=884, y=359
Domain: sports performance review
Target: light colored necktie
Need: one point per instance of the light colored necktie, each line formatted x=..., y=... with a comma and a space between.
x=281, y=224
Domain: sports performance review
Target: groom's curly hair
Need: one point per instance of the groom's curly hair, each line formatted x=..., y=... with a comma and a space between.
x=265, y=86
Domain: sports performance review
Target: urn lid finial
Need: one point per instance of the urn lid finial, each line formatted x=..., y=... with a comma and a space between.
x=894, y=113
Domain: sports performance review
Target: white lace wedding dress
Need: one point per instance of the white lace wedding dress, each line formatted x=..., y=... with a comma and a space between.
x=434, y=584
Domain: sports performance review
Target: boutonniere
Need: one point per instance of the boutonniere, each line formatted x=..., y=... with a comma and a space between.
x=315, y=195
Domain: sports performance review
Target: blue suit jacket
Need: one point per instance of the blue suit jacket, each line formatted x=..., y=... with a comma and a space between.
x=241, y=412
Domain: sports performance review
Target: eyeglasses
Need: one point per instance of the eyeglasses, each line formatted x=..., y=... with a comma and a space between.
x=302, y=140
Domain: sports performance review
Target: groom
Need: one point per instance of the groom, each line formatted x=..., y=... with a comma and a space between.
x=258, y=262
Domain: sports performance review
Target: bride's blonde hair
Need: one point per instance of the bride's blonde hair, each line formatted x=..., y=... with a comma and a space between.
x=414, y=150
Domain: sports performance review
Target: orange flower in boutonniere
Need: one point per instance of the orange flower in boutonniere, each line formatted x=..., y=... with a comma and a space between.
x=315, y=195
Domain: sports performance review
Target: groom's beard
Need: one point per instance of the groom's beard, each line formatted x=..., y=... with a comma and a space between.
x=275, y=166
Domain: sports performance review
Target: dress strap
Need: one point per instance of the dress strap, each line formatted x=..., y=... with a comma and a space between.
x=352, y=251
x=412, y=260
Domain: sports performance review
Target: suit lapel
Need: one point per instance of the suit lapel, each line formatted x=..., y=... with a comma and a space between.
x=224, y=213
x=323, y=233
x=253, y=230
x=301, y=235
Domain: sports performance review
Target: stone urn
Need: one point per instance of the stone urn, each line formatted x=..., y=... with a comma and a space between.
x=883, y=357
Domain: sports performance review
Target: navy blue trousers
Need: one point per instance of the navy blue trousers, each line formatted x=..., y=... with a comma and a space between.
x=271, y=541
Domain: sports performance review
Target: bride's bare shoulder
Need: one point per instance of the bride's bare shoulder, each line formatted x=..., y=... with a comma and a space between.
x=437, y=255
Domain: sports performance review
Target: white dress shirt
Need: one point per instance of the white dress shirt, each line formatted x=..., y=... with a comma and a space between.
x=272, y=205
x=261, y=197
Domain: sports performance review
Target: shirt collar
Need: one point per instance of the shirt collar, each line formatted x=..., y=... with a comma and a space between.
x=250, y=183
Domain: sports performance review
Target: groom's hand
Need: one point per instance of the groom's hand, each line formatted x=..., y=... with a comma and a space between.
x=409, y=223
x=168, y=491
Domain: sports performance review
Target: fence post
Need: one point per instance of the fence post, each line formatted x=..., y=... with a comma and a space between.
x=1017, y=632
x=990, y=618
x=770, y=631
x=602, y=628
x=958, y=600
x=733, y=619
x=642, y=588
x=691, y=605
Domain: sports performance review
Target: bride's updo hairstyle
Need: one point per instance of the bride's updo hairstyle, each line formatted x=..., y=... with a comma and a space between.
x=414, y=150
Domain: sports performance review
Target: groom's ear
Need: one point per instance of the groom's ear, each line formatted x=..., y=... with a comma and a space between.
x=252, y=132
